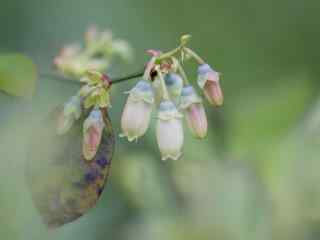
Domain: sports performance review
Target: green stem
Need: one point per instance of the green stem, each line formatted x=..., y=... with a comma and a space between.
x=75, y=81
x=181, y=70
x=168, y=54
x=183, y=41
x=163, y=85
x=194, y=55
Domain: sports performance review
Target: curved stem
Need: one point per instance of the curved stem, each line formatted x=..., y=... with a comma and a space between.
x=181, y=70
x=163, y=85
x=168, y=54
x=183, y=41
x=194, y=55
x=126, y=78
x=113, y=81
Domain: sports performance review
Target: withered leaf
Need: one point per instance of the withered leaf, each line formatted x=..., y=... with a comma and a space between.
x=63, y=185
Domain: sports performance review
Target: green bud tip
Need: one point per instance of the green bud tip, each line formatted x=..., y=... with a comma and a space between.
x=94, y=76
x=185, y=39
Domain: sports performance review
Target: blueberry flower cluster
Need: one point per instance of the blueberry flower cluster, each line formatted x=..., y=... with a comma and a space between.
x=96, y=54
x=165, y=86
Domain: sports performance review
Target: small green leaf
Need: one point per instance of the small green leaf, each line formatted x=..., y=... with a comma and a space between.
x=95, y=77
x=104, y=100
x=18, y=75
x=90, y=101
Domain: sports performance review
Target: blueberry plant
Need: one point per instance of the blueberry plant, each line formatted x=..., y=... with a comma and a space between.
x=70, y=157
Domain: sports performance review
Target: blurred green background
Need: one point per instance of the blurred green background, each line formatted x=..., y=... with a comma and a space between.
x=256, y=175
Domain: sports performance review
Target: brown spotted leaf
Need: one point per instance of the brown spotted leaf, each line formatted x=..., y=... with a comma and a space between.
x=63, y=185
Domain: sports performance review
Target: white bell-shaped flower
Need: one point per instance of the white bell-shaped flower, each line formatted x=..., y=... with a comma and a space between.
x=169, y=131
x=137, y=111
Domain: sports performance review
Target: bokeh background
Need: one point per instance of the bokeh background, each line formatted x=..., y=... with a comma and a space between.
x=256, y=175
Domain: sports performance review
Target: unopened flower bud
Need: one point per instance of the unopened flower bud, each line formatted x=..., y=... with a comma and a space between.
x=97, y=64
x=169, y=131
x=209, y=81
x=174, y=83
x=153, y=52
x=66, y=57
x=71, y=112
x=185, y=39
x=195, y=113
x=137, y=111
x=92, y=134
x=70, y=51
x=123, y=50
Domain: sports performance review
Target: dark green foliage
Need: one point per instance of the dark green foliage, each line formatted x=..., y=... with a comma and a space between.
x=18, y=75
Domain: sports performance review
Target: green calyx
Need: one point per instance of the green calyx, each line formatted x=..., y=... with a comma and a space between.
x=96, y=90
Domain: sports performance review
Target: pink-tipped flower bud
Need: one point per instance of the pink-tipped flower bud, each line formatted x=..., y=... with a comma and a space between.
x=71, y=112
x=209, y=81
x=137, y=111
x=70, y=51
x=92, y=134
x=66, y=57
x=169, y=131
x=123, y=50
x=174, y=84
x=153, y=52
x=96, y=64
x=195, y=113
